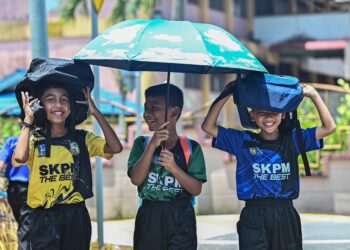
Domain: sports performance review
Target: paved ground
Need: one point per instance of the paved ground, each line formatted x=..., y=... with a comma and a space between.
x=320, y=232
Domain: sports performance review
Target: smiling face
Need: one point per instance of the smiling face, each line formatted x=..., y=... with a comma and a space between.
x=56, y=105
x=155, y=112
x=268, y=122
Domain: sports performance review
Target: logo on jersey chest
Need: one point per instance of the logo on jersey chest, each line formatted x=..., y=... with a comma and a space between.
x=275, y=171
x=41, y=150
x=255, y=151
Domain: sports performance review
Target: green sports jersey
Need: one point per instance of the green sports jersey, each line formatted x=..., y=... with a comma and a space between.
x=161, y=185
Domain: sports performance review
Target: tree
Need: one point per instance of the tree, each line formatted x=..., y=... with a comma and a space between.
x=122, y=10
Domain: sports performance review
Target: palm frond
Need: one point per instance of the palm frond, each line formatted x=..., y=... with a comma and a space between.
x=118, y=12
x=68, y=11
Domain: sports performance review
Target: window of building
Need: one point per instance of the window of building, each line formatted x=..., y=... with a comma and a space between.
x=217, y=82
x=193, y=81
x=216, y=4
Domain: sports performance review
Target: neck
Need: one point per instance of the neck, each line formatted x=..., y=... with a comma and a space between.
x=172, y=140
x=269, y=137
x=58, y=130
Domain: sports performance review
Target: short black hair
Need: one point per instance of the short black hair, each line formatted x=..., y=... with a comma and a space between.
x=176, y=97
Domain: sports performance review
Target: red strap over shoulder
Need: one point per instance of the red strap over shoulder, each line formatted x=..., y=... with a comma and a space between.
x=186, y=147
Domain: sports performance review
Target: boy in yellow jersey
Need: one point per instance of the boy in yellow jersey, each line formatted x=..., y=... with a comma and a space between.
x=57, y=154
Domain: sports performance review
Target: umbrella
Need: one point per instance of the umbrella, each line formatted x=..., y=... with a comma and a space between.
x=170, y=46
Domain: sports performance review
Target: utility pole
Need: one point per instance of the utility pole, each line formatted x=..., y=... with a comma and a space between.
x=97, y=131
x=38, y=29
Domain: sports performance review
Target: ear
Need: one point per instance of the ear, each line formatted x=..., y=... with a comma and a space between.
x=283, y=115
x=174, y=112
x=251, y=116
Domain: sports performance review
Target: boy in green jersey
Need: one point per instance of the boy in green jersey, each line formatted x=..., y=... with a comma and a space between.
x=168, y=170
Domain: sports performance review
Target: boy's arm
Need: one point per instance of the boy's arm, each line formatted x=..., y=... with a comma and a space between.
x=140, y=170
x=21, y=154
x=192, y=185
x=113, y=144
x=328, y=125
x=209, y=124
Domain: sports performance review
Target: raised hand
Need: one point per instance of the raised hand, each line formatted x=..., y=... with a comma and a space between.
x=160, y=135
x=308, y=90
x=166, y=159
x=92, y=109
x=27, y=107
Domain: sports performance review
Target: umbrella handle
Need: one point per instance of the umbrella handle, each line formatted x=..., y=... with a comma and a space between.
x=167, y=101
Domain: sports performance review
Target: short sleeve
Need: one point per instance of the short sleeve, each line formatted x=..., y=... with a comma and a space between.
x=136, y=152
x=309, y=139
x=95, y=145
x=31, y=150
x=197, y=168
x=229, y=140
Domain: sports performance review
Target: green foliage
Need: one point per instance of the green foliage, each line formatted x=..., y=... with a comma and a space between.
x=68, y=11
x=344, y=108
x=122, y=10
x=309, y=118
x=9, y=127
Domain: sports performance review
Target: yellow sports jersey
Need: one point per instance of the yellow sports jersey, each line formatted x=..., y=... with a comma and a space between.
x=64, y=177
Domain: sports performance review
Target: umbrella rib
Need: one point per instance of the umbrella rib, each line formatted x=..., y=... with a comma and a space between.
x=137, y=44
x=207, y=52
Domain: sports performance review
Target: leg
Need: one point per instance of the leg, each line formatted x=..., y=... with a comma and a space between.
x=24, y=217
x=45, y=232
x=251, y=229
x=13, y=200
x=182, y=229
x=287, y=229
x=149, y=232
x=76, y=228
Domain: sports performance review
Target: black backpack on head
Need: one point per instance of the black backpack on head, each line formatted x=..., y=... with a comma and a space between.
x=44, y=73
x=281, y=94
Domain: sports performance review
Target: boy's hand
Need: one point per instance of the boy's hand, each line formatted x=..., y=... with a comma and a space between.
x=27, y=107
x=166, y=159
x=226, y=92
x=160, y=135
x=308, y=90
x=91, y=105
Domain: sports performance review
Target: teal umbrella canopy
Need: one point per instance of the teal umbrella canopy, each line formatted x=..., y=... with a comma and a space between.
x=170, y=46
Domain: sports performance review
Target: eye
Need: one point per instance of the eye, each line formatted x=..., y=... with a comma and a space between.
x=50, y=100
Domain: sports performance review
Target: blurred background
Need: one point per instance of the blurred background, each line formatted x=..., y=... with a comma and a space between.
x=309, y=39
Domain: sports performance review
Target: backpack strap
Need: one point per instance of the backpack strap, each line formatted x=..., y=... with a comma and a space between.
x=185, y=145
x=147, y=140
x=302, y=151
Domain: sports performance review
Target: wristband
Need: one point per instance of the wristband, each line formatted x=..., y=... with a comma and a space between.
x=28, y=125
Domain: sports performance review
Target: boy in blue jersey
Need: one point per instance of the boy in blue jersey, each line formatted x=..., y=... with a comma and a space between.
x=267, y=172
x=17, y=191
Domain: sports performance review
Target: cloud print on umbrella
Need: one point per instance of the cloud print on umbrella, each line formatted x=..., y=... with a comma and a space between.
x=145, y=45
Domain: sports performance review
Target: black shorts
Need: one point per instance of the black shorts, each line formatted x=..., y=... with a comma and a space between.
x=17, y=197
x=165, y=226
x=271, y=224
x=65, y=227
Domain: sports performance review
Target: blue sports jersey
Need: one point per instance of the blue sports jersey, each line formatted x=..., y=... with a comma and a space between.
x=266, y=168
x=13, y=173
